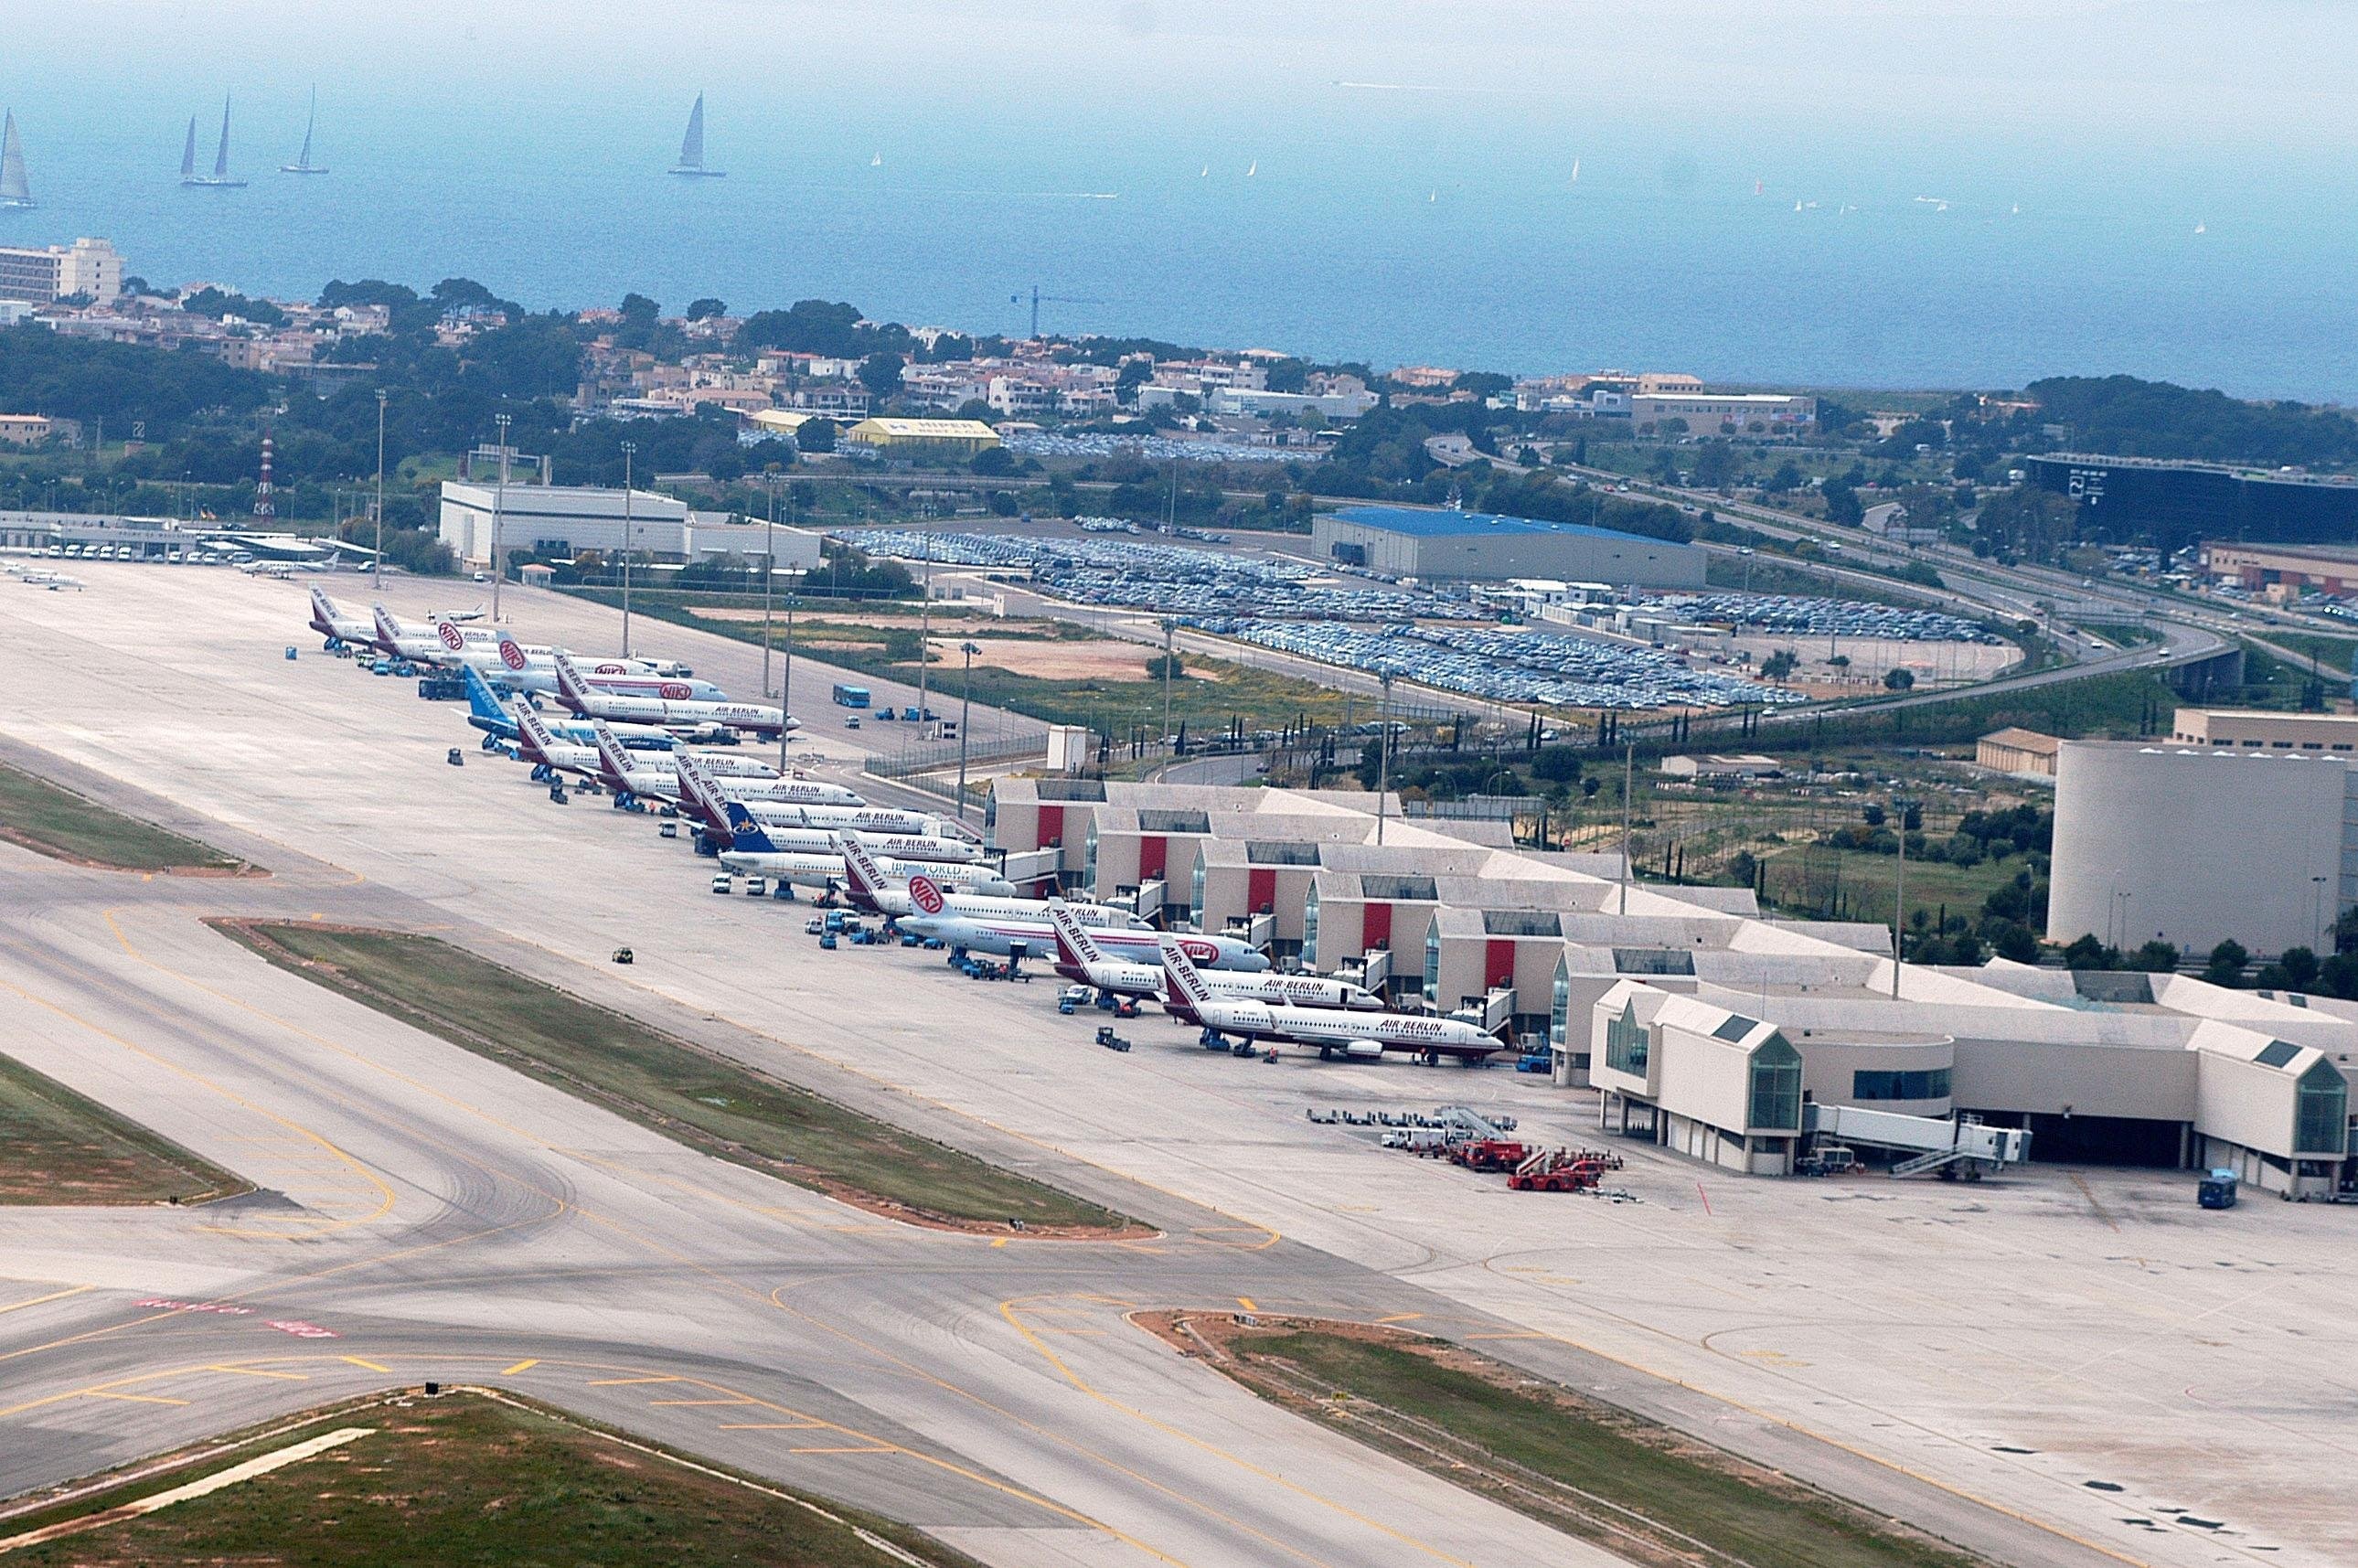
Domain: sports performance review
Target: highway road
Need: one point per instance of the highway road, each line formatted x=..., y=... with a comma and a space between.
x=425, y=1213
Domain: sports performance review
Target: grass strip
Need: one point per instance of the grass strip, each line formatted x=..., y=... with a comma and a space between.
x=64, y=1148
x=1589, y=1469
x=59, y=823
x=470, y=1480
x=681, y=1090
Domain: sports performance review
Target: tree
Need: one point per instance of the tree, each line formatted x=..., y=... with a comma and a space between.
x=706, y=309
x=993, y=460
x=1779, y=664
x=1714, y=464
x=814, y=436
x=2156, y=956
x=1788, y=477
x=2086, y=953
x=1897, y=679
x=2013, y=940
x=2226, y=965
x=1874, y=815
x=1556, y=765
x=881, y=374
x=2299, y=967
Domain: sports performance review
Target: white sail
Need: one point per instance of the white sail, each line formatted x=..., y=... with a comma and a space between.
x=303, y=164
x=189, y=152
x=14, y=192
x=221, y=156
x=691, y=147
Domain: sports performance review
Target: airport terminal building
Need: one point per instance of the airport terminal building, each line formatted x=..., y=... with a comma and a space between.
x=1458, y=546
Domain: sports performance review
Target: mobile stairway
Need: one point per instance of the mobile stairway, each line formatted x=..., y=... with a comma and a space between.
x=1951, y=1147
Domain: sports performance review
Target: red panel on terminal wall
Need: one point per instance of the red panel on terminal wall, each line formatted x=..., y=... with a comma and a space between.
x=1154, y=852
x=1498, y=963
x=1375, y=927
x=1261, y=888
x=1052, y=826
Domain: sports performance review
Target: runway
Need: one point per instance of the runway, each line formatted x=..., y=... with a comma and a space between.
x=445, y=1219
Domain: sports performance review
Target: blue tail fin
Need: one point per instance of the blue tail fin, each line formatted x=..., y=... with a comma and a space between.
x=483, y=703
x=748, y=832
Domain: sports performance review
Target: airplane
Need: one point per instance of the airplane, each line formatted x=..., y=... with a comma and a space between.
x=870, y=891
x=650, y=771
x=753, y=853
x=1355, y=1036
x=1079, y=958
x=702, y=797
x=522, y=667
x=485, y=713
x=658, y=778
x=340, y=625
x=578, y=694
x=773, y=815
x=397, y=640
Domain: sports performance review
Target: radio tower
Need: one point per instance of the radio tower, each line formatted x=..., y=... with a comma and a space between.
x=264, y=509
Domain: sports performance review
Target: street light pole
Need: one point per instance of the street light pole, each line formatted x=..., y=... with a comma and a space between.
x=786, y=684
x=965, y=699
x=380, y=490
x=630, y=543
x=925, y=628
x=1170, y=626
x=1383, y=751
x=769, y=571
x=499, y=506
x=1899, y=898
x=1629, y=781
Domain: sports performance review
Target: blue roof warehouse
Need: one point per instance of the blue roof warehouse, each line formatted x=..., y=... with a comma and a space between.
x=1403, y=541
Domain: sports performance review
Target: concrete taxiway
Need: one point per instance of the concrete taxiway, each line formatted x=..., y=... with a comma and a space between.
x=1971, y=1360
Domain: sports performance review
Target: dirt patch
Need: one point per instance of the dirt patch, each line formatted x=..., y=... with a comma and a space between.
x=1105, y=661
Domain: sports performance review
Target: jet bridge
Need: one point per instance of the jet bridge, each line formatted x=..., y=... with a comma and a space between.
x=1950, y=1147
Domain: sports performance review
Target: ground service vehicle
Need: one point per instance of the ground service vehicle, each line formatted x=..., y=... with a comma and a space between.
x=2217, y=1189
x=850, y=695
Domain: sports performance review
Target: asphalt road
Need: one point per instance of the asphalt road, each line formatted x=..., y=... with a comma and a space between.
x=425, y=1214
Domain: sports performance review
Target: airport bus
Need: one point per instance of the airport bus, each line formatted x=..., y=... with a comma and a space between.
x=850, y=695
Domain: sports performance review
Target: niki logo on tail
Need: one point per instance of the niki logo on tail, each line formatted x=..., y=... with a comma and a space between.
x=452, y=638
x=512, y=652
x=926, y=894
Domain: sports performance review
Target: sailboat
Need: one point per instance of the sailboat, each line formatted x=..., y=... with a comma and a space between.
x=14, y=192
x=220, y=178
x=1254, y=170
x=1575, y=171
x=691, y=147
x=303, y=164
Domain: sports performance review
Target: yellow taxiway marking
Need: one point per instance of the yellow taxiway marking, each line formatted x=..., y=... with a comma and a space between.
x=1247, y=1302
x=258, y=1372
x=843, y=1451
x=772, y=1425
x=678, y=1404
x=999, y=1242
x=131, y=1399
x=1402, y=1317
x=1528, y=1334
x=372, y=1366
x=625, y=1382
x=52, y=1296
x=528, y=1362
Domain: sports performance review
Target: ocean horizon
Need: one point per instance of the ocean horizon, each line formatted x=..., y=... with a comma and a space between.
x=1364, y=218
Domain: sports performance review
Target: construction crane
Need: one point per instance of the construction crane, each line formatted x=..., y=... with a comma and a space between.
x=1039, y=298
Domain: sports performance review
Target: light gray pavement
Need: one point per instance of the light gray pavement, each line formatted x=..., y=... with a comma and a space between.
x=1968, y=1358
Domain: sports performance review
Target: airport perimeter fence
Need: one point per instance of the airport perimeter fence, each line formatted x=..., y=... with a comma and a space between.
x=933, y=757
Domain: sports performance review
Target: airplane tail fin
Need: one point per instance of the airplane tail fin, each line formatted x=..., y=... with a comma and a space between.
x=323, y=608
x=482, y=700
x=571, y=689
x=926, y=894
x=387, y=633
x=1074, y=945
x=865, y=876
x=610, y=750
x=453, y=640
x=511, y=654
x=1182, y=986
x=747, y=833
x=702, y=796
x=532, y=735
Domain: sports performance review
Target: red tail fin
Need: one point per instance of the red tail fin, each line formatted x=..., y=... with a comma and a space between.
x=926, y=894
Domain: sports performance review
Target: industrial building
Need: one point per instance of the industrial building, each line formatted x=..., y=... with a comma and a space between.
x=572, y=519
x=1452, y=546
x=2282, y=571
x=2196, y=844
x=1731, y=413
x=2173, y=504
x=2251, y=729
x=938, y=437
x=2160, y=1070
x=91, y=269
x=2026, y=753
